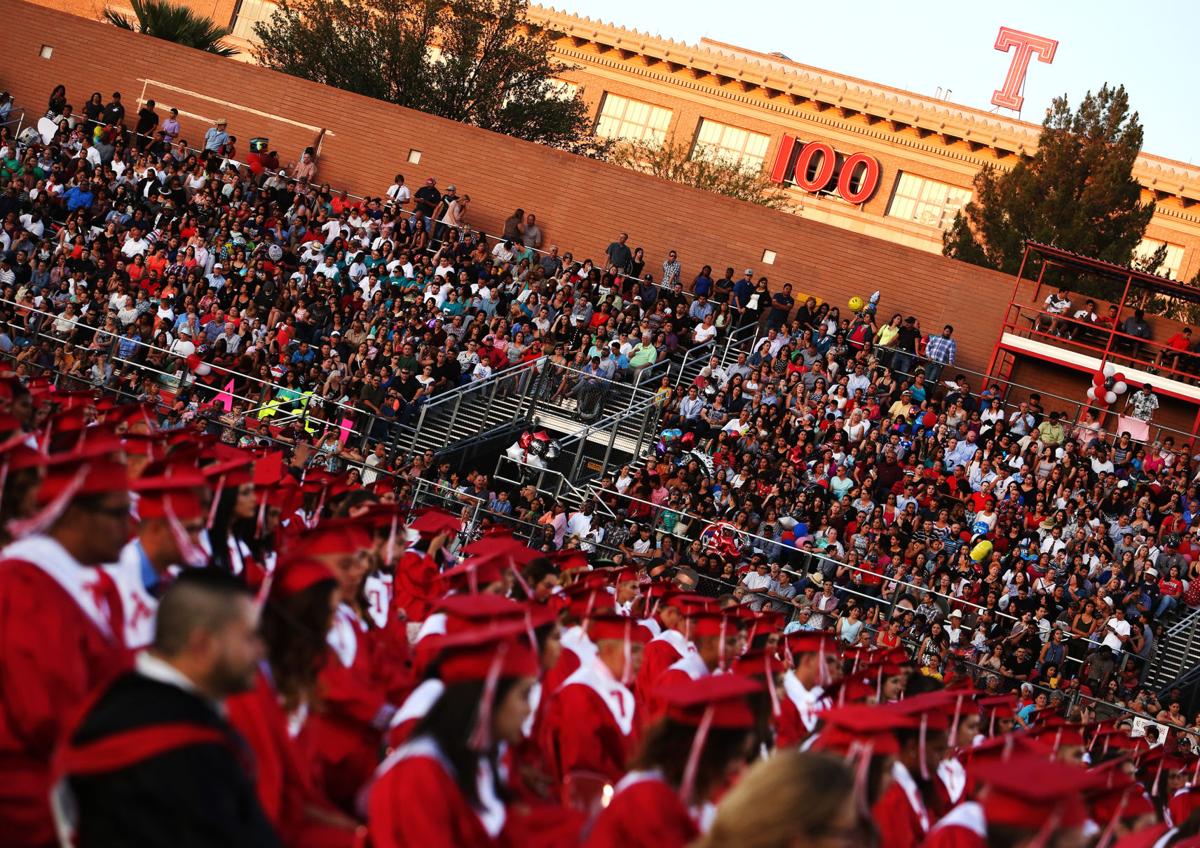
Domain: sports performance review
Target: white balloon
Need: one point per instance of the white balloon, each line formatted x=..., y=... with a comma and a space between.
x=1110, y=397
x=1091, y=392
x=1109, y=369
x=1120, y=387
x=203, y=369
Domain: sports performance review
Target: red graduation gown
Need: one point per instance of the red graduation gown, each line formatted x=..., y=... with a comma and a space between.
x=345, y=736
x=962, y=827
x=798, y=712
x=645, y=812
x=660, y=653
x=900, y=817
x=588, y=734
x=286, y=787
x=415, y=803
x=51, y=656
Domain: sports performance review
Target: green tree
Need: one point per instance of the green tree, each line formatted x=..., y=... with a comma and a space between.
x=700, y=168
x=1077, y=192
x=481, y=62
x=169, y=22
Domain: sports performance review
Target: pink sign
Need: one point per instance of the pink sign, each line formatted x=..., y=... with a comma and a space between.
x=1027, y=46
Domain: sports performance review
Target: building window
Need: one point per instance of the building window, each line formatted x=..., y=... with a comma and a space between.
x=621, y=117
x=563, y=89
x=721, y=141
x=247, y=14
x=1171, y=263
x=927, y=202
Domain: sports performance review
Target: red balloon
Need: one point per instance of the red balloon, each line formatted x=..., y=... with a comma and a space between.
x=1119, y=377
x=1098, y=379
x=192, y=361
x=929, y=419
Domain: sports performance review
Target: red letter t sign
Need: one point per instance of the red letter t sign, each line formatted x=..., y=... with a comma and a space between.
x=1027, y=44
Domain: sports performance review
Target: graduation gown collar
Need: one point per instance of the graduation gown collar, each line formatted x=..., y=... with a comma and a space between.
x=82, y=583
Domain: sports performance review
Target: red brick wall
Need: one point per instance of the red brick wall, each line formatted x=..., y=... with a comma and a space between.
x=581, y=204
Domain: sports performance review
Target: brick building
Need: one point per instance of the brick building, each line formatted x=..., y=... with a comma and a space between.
x=914, y=156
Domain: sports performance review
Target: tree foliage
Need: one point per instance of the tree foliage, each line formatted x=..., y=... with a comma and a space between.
x=169, y=22
x=1077, y=192
x=477, y=61
x=700, y=168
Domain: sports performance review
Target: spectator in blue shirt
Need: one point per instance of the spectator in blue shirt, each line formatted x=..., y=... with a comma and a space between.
x=78, y=197
x=127, y=345
x=703, y=283
x=216, y=136
x=304, y=355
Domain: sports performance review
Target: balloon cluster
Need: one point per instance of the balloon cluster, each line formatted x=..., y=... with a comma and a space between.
x=1108, y=384
x=198, y=366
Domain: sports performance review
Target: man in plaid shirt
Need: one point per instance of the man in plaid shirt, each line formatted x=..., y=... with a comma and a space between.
x=941, y=351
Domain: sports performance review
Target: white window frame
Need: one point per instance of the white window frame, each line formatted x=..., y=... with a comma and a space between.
x=621, y=117
x=1172, y=262
x=248, y=13
x=925, y=201
x=732, y=144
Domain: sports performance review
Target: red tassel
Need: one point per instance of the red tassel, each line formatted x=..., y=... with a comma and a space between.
x=216, y=500
x=389, y=555
x=191, y=553
x=921, y=747
x=481, y=736
x=770, y=675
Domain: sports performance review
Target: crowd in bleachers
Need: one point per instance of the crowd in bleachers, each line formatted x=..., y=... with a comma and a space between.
x=841, y=486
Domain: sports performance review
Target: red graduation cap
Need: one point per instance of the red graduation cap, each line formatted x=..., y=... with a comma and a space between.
x=93, y=469
x=709, y=624
x=467, y=611
x=334, y=537
x=486, y=654
x=623, y=575
x=1033, y=793
x=724, y=695
x=295, y=574
x=619, y=627
x=568, y=559
x=585, y=601
x=178, y=494
x=231, y=472
x=1125, y=799
x=929, y=708
x=858, y=726
x=434, y=522
x=810, y=642
x=758, y=663
x=473, y=653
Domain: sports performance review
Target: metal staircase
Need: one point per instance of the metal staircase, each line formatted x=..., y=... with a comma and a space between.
x=1177, y=653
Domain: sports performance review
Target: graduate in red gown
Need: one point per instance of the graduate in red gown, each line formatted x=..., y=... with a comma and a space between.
x=673, y=637
x=952, y=783
x=590, y=723
x=1027, y=800
x=715, y=637
x=343, y=734
x=584, y=600
x=803, y=697
x=442, y=789
x=685, y=759
x=295, y=622
x=61, y=625
x=903, y=813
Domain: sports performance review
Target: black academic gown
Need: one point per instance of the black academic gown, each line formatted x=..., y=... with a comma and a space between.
x=152, y=764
